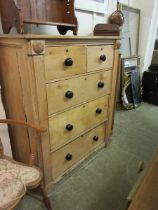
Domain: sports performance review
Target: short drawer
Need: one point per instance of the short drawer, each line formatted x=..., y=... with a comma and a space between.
x=99, y=57
x=64, y=94
x=67, y=156
x=69, y=125
x=64, y=61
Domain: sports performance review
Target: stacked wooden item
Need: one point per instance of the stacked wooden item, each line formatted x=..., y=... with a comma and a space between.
x=107, y=30
x=115, y=21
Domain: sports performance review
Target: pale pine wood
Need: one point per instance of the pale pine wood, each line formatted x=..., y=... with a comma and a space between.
x=112, y=99
x=13, y=99
x=118, y=88
x=82, y=118
x=55, y=57
x=56, y=37
x=84, y=88
x=36, y=47
x=27, y=95
x=93, y=57
x=86, y=142
x=45, y=159
x=27, y=70
x=20, y=100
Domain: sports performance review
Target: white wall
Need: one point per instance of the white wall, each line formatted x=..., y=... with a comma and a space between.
x=148, y=29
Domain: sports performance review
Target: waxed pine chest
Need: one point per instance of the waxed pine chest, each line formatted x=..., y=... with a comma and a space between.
x=66, y=85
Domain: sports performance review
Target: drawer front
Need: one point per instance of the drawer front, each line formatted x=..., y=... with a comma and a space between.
x=66, y=126
x=99, y=57
x=67, y=93
x=68, y=155
x=64, y=61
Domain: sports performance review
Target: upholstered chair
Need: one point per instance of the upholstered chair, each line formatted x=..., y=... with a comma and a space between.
x=16, y=177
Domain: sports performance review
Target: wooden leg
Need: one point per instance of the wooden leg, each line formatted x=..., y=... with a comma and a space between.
x=62, y=29
x=46, y=199
x=40, y=194
x=75, y=33
x=128, y=205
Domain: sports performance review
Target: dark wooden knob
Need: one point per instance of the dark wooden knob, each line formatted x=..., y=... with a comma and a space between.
x=68, y=157
x=100, y=84
x=69, y=94
x=68, y=62
x=95, y=138
x=103, y=57
x=69, y=127
x=98, y=111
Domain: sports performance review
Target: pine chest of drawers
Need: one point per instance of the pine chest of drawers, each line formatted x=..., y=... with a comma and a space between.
x=65, y=84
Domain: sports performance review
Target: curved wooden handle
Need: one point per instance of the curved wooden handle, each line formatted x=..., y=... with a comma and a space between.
x=37, y=130
x=23, y=123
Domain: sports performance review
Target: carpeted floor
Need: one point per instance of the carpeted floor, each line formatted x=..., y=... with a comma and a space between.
x=104, y=180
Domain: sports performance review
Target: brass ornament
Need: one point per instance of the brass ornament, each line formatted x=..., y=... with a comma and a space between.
x=127, y=82
x=117, y=18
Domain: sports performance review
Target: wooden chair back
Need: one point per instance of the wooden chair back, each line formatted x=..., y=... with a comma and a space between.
x=36, y=132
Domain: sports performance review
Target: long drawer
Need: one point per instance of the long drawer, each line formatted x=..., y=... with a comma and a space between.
x=67, y=93
x=99, y=57
x=64, y=61
x=68, y=155
x=66, y=126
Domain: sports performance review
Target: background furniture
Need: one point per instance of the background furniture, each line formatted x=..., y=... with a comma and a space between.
x=150, y=79
x=154, y=61
x=150, y=87
x=46, y=12
x=31, y=176
x=106, y=30
x=131, y=85
x=144, y=194
x=66, y=85
x=129, y=49
x=130, y=31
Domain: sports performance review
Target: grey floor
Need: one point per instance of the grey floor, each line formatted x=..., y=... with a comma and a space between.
x=104, y=180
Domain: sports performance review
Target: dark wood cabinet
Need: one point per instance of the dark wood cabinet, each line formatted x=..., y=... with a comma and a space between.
x=47, y=12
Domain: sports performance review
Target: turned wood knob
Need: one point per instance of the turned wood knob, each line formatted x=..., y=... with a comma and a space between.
x=38, y=47
x=69, y=127
x=100, y=84
x=98, y=111
x=68, y=62
x=68, y=157
x=103, y=58
x=69, y=94
x=95, y=138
